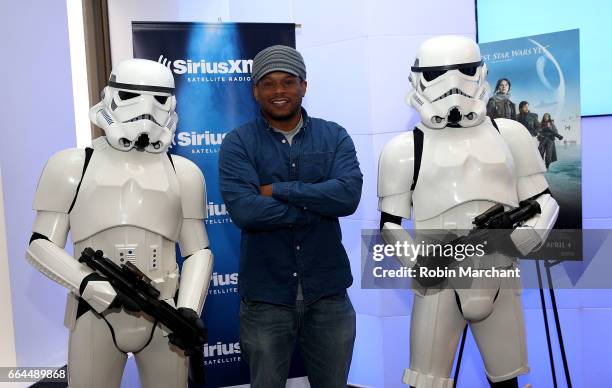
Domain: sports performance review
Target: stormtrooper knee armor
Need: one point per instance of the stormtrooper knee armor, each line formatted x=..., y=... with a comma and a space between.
x=455, y=165
x=127, y=197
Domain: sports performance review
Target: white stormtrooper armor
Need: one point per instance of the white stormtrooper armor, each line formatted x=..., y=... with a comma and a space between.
x=466, y=164
x=128, y=198
x=449, y=86
x=139, y=99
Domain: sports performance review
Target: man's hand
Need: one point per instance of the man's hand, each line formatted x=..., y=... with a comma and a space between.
x=265, y=190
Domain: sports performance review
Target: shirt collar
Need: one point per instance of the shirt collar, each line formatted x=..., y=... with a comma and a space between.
x=262, y=123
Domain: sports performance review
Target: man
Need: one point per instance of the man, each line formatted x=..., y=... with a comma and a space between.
x=500, y=106
x=286, y=178
x=528, y=119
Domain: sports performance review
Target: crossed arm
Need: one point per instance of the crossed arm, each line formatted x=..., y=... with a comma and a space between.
x=239, y=183
x=264, y=207
x=338, y=196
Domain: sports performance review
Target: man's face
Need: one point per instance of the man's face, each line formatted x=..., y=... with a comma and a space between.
x=280, y=95
x=504, y=87
x=525, y=109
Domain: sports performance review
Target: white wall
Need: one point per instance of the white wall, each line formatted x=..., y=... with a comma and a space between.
x=7, y=340
x=37, y=121
x=121, y=14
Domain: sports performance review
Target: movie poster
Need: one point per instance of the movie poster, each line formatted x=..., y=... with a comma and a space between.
x=536, y=81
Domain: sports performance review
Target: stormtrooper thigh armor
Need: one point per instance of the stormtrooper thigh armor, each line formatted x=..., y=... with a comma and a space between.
x=126, y=197
x=438, y=321
x=462, y=165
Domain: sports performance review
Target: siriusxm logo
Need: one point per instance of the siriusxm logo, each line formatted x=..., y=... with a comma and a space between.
x=221, y=349
x=217, y=214
x=223, y=283
x=216, y=209
x=188, y=66
x=224, y=279
x=198, y=139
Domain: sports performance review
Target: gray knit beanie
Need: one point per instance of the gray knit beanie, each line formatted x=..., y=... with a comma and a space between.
x=278, y=58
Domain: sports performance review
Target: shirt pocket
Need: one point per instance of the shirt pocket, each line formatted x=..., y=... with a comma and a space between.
x=315, y=166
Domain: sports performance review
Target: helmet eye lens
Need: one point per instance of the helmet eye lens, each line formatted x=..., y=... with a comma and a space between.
x=161, y=99
x=431, y=75
x=127, y=95
x=471, y=70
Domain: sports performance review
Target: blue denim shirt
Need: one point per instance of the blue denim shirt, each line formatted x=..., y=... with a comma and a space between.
x=295, y=234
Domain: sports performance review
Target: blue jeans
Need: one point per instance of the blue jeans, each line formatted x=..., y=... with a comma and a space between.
x=324, y=330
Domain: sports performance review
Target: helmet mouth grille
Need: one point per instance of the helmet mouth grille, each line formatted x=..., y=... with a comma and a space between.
x=142, y=142
x=454, y=116
x=143, y=117
x=450, y=93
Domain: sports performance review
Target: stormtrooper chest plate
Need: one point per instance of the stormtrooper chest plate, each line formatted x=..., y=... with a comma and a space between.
x=127, y=188
x=461, y=165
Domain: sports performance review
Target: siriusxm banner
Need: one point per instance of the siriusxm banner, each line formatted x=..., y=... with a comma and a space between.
x=212, y=71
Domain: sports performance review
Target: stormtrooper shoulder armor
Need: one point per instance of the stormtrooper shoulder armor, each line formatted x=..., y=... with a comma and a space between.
x=192, y=187
x=396, y=175
x=396, y=166
x=529, y=166
x=59, y=181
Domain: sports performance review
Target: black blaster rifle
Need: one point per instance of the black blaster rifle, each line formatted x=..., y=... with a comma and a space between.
x=493, y=218
x=131, y=283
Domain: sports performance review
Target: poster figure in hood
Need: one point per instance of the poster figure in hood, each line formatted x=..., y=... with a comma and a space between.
x=499, y=105
x=547, y=136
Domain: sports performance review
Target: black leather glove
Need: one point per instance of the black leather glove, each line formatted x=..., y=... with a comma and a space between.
x=126, y=302
x=196, y=321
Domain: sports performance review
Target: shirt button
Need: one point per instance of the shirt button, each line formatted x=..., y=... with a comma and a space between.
x=295, y=274
x=305, y=208
x=284, y=140
x=297, y=247
x=292, y=164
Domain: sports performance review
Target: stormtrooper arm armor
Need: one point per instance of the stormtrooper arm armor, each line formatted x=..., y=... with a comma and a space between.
x=193, y=240
x=531, y=184
x=46, y=252
x=395, y=176
x=532, y=234
x=56, y=190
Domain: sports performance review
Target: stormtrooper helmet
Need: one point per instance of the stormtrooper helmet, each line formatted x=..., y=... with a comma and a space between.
x=138, y=107
x=448, y=80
